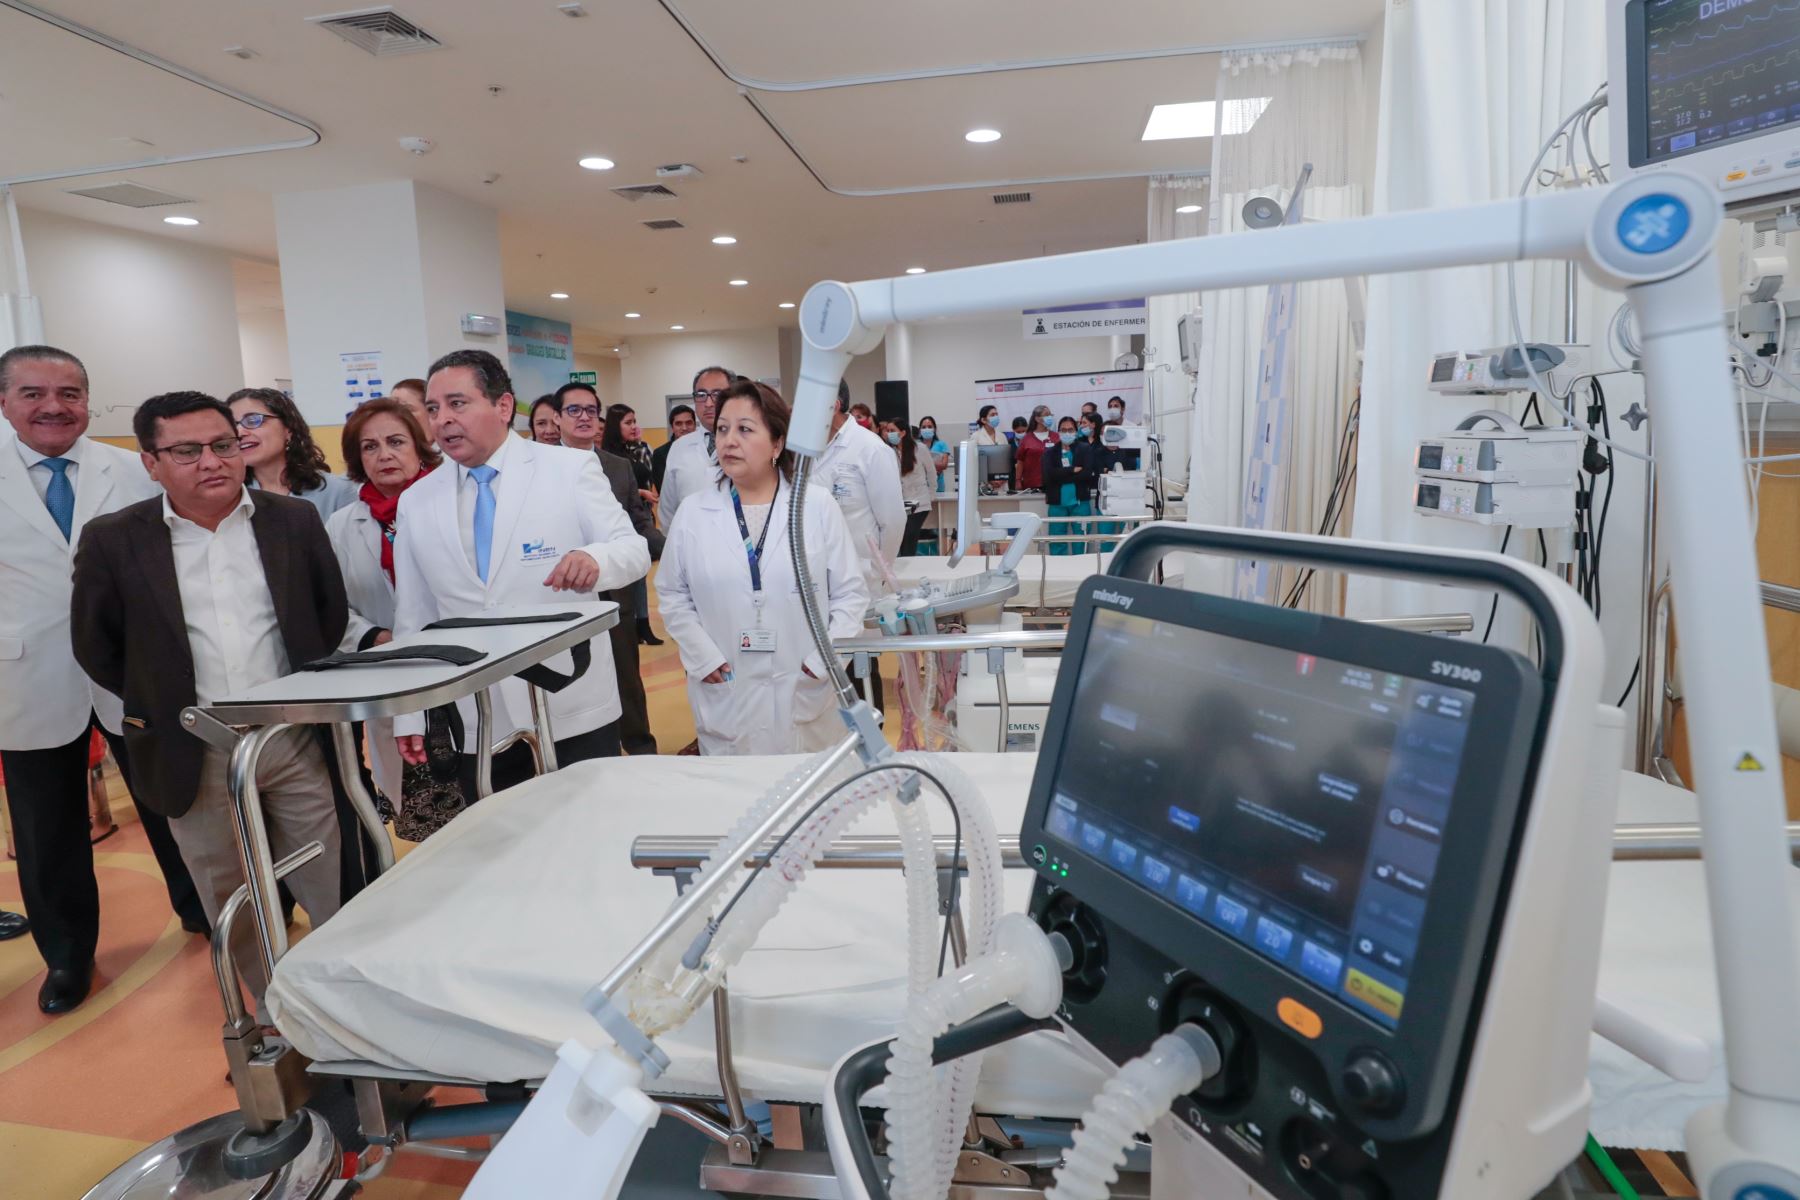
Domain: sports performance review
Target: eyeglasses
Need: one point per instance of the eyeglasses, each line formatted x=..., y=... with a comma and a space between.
x=251, y=421
x=713, y=394
x=581, y=410
x=188, y=453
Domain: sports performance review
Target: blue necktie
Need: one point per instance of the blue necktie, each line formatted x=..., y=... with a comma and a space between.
x=60, y=498
x=484, y=517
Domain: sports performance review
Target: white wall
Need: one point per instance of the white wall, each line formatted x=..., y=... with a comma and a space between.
x=664, y=365
x=262, y=338
x=948, y=357
x=146, y=313
x=459, y=256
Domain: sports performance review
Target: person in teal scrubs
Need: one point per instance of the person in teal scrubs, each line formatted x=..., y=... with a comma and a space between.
x=1068, y=485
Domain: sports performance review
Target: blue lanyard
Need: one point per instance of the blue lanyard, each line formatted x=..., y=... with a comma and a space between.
x=754, y=549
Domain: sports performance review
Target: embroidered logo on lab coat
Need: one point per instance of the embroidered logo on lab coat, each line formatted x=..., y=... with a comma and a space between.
x=536, y=551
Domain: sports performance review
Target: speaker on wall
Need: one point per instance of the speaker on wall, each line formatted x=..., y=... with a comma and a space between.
x=891, y=403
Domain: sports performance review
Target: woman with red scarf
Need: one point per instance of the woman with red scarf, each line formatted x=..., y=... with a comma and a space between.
x=386, y=450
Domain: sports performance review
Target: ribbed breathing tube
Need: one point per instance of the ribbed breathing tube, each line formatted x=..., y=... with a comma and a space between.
x=1131, y=1102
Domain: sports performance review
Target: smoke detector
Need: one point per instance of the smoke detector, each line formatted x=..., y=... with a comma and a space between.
x=417, y=145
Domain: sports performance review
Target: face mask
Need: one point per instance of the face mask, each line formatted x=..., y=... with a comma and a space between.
x=893, y=439
x=1116, y=413
x=991, y=421
x=928, y=432
x=1066, y=437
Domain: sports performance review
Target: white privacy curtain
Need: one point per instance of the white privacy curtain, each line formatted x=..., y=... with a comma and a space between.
x=1170, y=388
x=1458, y=129
x=1277, y=112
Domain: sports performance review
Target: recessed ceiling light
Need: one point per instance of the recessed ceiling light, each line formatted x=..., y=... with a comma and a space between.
x=180, y=221
x=559, y=295
x=980, y=136
x=1188, y=208
x=677, y=328
x=615, y=349
x=724, y=239
x=633, y=316
x=595, y=163
x=740, y=283
x=1196, y=118
x=786, y=304
x=915, y=270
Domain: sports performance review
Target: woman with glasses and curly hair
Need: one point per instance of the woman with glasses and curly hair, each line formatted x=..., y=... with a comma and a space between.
x=281, y=454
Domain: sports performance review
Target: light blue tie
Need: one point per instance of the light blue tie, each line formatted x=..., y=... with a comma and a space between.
x=60, y=498
x=484, y=517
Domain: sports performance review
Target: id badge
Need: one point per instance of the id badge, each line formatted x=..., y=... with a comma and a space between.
x=757, y=641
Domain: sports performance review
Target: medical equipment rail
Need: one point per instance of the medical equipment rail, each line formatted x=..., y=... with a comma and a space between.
x=242, y=725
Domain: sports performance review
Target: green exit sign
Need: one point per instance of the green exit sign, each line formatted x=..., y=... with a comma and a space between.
x=588, y=377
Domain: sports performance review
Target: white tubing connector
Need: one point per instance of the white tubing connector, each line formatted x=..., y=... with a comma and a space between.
x=1132, y=1101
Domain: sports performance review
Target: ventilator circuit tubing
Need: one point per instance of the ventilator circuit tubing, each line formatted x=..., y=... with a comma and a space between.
x=1132, y=1101
x=1021, y=970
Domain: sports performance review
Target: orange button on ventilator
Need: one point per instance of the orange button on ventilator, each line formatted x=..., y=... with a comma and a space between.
x=1301, y=1019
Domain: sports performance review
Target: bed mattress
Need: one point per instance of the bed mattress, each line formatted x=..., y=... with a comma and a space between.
x=470, y=959
x=1045, y=581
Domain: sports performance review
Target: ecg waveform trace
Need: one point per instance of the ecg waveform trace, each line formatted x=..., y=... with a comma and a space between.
x=1716, y=73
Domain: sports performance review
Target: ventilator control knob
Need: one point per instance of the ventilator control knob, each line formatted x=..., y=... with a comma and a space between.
x=1373, y=1084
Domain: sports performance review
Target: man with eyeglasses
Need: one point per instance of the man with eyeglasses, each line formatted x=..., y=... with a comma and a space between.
x=204, y=593
x=53, y=481
x=578, y=416
x=693, y=463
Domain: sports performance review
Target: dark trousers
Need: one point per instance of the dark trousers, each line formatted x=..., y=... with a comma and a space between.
x=869, y=689
x=909, y=541
x=634, y=722
x=47, y=794
x=515, y=765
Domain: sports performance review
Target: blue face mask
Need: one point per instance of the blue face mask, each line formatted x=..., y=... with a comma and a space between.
x=893, y=438
x=991, y=420
x=928, y=432
x=1066, y=437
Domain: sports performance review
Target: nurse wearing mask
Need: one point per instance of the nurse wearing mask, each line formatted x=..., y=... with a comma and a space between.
x=729, y=598
x=1068, y=485
x=987, y=427
x=939, y=450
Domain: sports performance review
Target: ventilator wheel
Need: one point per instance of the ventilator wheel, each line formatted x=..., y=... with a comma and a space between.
x=194, y=1164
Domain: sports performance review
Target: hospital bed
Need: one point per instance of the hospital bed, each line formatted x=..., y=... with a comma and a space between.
x=469, y=961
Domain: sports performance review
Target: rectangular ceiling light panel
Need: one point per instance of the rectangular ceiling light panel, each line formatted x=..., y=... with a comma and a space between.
x=1196, y=118
x=132, y=195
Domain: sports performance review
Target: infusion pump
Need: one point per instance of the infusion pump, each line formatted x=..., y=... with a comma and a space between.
x=1503, y=370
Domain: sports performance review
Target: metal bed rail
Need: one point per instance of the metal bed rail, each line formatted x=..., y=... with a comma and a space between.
x=998, y=643
x=669, y=853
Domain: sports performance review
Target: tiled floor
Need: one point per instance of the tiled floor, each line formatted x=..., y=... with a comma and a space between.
x=81, y=1093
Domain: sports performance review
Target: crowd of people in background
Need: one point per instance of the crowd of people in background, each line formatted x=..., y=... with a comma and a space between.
x=226, y=553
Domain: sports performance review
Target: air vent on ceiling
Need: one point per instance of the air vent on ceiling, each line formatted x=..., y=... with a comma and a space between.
x=132, y=195
x=380, y=31
x=665, y=223
x=639, y=191
x=1013, y=198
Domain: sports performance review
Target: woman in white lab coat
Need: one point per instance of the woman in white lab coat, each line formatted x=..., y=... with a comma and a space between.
x=756, y=684
x=385, y=450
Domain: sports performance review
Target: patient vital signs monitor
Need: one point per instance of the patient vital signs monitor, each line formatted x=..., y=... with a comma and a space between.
x=1295, y=831
x=1711, y=86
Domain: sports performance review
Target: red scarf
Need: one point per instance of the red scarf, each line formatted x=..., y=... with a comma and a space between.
x=384, y=509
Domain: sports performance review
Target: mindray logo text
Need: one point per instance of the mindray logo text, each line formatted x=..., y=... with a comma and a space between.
x=1124, y=602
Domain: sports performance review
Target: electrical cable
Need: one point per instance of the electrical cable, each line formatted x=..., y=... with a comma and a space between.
x=1343, y=475
x=1494, y=608
x=955, y=850
x=1609, y=1170
x=1630, y=683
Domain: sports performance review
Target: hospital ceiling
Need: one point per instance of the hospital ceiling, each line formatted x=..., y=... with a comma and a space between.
x=830, y=140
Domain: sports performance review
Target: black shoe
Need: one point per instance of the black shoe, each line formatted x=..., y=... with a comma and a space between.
x=200, y=926
x=646, y=635
x=13, y=925
x=65, y=989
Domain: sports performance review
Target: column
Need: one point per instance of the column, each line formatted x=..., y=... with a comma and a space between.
x=386, y=269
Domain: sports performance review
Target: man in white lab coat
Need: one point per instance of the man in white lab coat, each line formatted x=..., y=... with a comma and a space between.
x=693, y=463
x=863, y=474
x=510, y=522
x=53, y=481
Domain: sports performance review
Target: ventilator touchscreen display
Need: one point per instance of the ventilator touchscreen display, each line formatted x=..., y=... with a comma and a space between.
x=1294, y=803
x=1715, y=71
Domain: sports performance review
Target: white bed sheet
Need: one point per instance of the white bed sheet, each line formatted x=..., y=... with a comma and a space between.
x=1045, y=581
x=433, y=969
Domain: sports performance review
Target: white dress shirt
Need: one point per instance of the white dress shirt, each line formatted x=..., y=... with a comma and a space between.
x=231, y=627
x=40, y=476
x=467, y=490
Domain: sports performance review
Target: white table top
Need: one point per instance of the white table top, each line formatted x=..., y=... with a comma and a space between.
x=359, y=693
